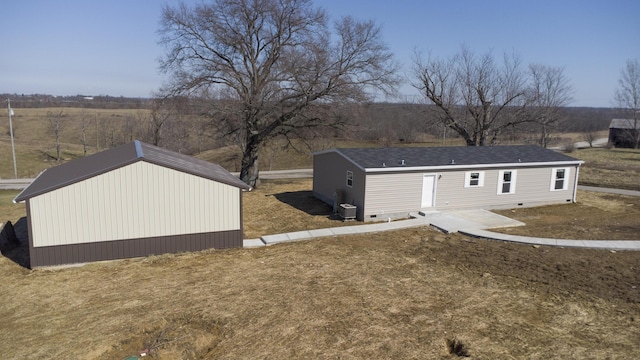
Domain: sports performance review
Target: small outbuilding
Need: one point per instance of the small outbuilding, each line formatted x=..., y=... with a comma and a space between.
x=624, y=133
x=384, y=183
x=130, y=201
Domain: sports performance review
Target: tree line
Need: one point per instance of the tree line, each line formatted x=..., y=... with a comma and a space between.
x=263, y=70
x=35, y=101
x=282, y=69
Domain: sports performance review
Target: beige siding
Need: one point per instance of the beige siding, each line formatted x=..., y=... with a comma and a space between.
x=532, y=188
x=401, y=193
x=393, y=193
x=136, y=201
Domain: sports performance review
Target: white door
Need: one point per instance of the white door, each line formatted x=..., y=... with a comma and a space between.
x=428, y=190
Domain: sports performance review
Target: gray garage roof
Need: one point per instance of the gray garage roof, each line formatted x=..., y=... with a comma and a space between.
x=102, y=162
x=624, y=124
x=453, y=156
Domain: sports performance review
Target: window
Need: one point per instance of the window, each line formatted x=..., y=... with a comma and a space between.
x=474, y=179
x=349, y=178
x=559, y=179
x=507, y=182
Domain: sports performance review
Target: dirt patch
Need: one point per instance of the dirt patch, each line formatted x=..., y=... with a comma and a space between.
x=595, y=216
x=404, y=294
x=186, y=336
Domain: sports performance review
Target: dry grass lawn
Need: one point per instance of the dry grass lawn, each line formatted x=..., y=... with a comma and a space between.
x=614, y=168
x=8, y=210
x=280, y=206
x=403, y=294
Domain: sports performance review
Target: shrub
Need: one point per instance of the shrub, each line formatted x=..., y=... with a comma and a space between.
x=570, y=147
x=457, y=347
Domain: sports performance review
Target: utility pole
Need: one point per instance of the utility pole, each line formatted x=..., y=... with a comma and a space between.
x=13, y=149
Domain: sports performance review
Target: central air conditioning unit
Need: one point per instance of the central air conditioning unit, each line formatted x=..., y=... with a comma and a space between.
x=347, y=211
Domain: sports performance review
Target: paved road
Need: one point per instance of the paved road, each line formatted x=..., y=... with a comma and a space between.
x=14, y=184
x=610, y=191
x=18, y=184
x=284, y=174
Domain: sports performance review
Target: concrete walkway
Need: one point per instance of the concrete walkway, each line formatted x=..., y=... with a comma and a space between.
x=591, y=244
x=335, y=231
x=468, y=222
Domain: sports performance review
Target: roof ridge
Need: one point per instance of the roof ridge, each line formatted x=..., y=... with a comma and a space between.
x=139, y=152
x=512, y=155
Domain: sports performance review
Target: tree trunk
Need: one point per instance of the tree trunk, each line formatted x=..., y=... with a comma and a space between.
x=544, y=136
x=249, y=165
x=470, y=141
x=84, y=140
x=636, y=133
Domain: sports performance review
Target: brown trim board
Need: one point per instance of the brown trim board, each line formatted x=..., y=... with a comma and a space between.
x=120, y=249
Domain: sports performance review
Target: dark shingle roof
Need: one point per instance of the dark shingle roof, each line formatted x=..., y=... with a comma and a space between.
x=370, y=158
x=102, y=162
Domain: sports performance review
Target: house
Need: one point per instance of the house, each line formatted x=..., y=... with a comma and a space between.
x=130, y=201
x=388, y=183
x=624, y=133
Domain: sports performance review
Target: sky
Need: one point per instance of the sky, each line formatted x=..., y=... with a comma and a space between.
x=97, y=47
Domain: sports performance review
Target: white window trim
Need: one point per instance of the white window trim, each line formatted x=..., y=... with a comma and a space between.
x=349, y=177
x=565, y=185
x=512, y=188
x=467, y=179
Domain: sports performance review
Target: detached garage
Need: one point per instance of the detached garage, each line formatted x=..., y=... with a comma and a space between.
x=130, y=201
x=385, y=183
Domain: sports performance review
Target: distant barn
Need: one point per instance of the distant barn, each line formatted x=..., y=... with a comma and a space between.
x=130, y=201
x=624, y=133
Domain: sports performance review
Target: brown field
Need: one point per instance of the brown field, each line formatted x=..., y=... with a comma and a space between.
x=401, y=294
x=595, y=216
x=35, y=146
x=615, y=168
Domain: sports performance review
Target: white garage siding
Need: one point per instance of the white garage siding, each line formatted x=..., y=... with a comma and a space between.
x=135, y=201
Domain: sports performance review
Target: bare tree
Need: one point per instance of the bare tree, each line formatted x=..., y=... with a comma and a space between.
x=627, y=98
x=84, y=123
x=164, y=123
x=473, y=95
x=55, y=127
x=273, y=60
x=590, y=137
x=549, y=92
x=154, y=121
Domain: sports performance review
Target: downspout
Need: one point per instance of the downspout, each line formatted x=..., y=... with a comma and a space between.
x=575, y=183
